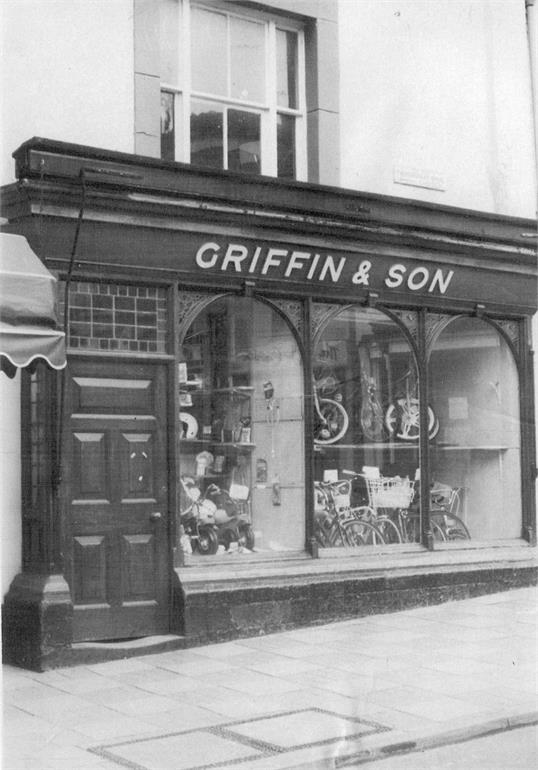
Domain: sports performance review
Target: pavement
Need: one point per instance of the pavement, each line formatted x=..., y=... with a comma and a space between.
x=357, y=693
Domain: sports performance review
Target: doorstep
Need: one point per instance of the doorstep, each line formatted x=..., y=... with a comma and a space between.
x=90, y=653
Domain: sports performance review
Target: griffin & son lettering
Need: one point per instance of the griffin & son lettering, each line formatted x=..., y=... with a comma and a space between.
x=272, y=262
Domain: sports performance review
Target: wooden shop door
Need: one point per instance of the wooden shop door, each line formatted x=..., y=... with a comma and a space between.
x=116, y=543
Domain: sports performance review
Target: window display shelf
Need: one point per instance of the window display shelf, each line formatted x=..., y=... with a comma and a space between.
x=210, y=442
x=475, y=448
x=373, y=445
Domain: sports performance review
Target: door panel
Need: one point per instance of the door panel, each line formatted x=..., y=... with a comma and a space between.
x=116, y=534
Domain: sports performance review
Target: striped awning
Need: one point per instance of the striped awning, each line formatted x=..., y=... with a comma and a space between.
x=29, y=330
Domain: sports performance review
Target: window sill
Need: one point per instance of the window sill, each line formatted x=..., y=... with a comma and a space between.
x=296, y=569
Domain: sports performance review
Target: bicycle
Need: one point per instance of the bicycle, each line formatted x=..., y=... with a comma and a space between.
x=198, y=518
x=402, y=417
x=331, y=420
x=232, y=519
x=337, y=524
x=383, y=495
x=445, y=505
x=371, y=413
x=445, y=523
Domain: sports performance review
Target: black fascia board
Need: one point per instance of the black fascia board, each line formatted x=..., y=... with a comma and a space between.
x=48, y=159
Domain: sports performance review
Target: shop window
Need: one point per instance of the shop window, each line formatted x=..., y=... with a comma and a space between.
x=241, y=434
x=366, y=432
x=232, y=90
x=475, y=459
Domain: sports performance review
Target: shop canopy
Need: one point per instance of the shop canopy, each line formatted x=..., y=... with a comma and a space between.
x=29, y=330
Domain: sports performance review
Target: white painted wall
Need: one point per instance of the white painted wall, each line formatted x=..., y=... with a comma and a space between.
x=67, y=74
x=441, y=89
x=10, y=479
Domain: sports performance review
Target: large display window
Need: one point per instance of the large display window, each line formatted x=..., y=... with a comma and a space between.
x=243, y=428
x=366, y=431
x=241, y=443
x=475, y=465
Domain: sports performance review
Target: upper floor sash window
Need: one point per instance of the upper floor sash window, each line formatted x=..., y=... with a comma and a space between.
x=232, y=89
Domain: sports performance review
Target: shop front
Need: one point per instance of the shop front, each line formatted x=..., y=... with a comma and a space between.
x=284, y=404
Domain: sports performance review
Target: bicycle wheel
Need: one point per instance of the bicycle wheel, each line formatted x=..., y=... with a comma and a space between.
x=332, y=422
x=358, y=532
x=207, y=543
x=246, y=536
x=389, y=530
x=437, y=532
x=451, y=526
x=409, y=526
x=323, y=525
x=402, y=420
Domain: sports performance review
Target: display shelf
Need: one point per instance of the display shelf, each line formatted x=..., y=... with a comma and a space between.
x=444, y=447
x=379, y=445
x=239, y=390
x=212, y=442
x=474, y=448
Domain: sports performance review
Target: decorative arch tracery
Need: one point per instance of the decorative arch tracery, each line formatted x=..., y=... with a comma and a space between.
x=321, y=313
x=191, y=304
x=409, y=319
x=292, y=310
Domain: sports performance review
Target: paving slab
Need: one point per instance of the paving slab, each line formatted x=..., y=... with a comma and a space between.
x=344, y=694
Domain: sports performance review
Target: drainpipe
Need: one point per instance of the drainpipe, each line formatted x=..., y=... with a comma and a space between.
x=532, y=33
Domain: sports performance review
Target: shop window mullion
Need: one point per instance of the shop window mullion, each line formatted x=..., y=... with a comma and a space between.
x=310, y=539
x=424, y=453
x=526, y=369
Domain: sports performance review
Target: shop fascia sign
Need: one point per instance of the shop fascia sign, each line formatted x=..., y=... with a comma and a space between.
x=268, y=261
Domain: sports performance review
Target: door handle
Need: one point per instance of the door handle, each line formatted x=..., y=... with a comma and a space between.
x=155, y=516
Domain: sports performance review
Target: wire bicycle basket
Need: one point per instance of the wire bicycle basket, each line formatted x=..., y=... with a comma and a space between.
x=390, y=492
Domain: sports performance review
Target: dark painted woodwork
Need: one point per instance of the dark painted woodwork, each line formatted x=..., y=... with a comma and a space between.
x=143, y=220
x=116, y=548
x=36, y=620
x=149, y=255
x=126, y=196
x=47, y=159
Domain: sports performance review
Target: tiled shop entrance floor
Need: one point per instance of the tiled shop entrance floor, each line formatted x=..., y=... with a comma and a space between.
x=238, y=741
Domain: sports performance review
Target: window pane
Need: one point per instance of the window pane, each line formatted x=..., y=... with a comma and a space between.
x=474, y=385
x=167, y=126
x=207, y=147
x=242, y=433
x=286, y=146
x=244, y=141
x=169, y=42
x=366, y=432
x=286, y=64
x=247, y=56
x=208, y=52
